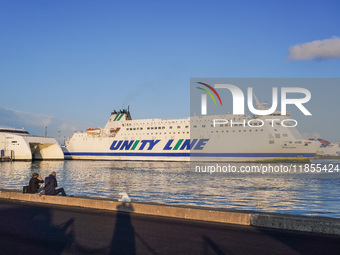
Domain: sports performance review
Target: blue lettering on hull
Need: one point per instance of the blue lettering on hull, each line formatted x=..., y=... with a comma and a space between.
x=124, y=145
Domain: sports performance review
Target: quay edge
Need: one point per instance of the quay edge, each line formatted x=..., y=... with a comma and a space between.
x=319, y=225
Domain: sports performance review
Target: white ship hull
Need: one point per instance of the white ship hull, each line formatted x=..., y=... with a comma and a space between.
x=17, y=144
x=188, y=139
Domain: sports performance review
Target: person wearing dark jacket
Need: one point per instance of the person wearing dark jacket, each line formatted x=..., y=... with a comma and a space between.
x=34, y=183
x=51, y=184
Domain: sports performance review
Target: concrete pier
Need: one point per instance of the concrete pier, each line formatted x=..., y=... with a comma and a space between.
x=68, y=225
x=321, y=225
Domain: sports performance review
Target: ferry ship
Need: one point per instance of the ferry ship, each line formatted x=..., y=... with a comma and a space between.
x=328, y=150
x=195, y=138
x=18, y=144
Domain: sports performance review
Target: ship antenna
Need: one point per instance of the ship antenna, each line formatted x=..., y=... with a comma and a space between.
x=128, y=112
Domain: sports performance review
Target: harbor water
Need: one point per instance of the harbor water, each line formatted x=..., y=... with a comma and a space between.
x=304, y=192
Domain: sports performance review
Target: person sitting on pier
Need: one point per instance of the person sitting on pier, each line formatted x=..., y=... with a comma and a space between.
x=34, y=183
x=51, y=184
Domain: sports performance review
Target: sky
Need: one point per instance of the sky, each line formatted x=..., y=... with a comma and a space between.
x=68, y=64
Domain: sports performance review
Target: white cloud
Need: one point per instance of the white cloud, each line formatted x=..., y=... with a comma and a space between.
x=319, y=49
x=35, y=123
x=32, y=119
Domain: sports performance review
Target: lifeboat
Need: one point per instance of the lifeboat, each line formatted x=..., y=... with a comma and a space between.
x=93, y=130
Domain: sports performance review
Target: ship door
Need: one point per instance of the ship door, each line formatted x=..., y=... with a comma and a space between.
x=35, y=151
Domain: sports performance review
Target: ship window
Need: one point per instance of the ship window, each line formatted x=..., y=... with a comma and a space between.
x=151, y=127
x=141, y=128
x=170, y=127
x=284, y=135
x=178, y=126
x=186, y=126
x=271, y=142
x=148, y=128
x=203, y=126
x=163, y=127
x=277, y=135
x=195, y=126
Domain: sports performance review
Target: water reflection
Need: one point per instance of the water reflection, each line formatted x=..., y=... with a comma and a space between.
x=178, y=183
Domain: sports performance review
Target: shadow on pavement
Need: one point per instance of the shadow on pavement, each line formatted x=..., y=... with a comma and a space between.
x=123, y=240
x=301, y=242
x=24, y=227
x=210, y=245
